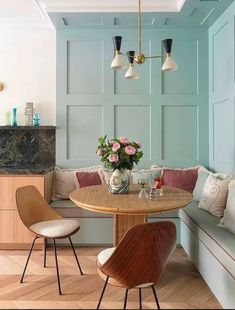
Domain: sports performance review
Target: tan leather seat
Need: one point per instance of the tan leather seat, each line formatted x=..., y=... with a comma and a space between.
x=55, y=228
x=38, y=216
x=139, y=259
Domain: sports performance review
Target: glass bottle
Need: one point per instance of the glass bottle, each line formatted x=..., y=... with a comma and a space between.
x=36, y=119
x=8, y=118
x=28, y=111
x=14, y=120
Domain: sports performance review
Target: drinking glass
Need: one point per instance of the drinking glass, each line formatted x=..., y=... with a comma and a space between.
x=153, y=193
x=143, y=185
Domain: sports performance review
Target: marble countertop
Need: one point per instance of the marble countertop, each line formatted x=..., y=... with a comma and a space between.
x=34, y=170
x=27, y=127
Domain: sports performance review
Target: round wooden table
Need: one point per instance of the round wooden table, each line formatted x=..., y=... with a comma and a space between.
x=128, y=209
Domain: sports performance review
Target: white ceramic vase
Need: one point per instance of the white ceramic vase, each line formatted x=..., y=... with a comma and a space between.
x=119, y=182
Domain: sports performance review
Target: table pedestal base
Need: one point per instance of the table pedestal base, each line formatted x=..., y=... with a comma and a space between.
x=122, y=223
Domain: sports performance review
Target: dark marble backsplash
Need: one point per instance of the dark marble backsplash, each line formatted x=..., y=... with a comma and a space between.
x=27, y=147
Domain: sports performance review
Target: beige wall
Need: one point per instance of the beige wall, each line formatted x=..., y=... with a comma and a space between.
x=28, y=70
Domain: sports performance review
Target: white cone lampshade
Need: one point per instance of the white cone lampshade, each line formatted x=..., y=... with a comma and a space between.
x=131, y=73
x=169, y=64
x=118, y=62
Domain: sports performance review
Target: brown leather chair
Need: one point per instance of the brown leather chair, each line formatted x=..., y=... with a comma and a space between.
x=139, y=259
x=38, y=216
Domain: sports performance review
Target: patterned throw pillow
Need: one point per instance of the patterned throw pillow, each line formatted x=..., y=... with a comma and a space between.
x=228, y=221
x=203, y=174
x=214, y=195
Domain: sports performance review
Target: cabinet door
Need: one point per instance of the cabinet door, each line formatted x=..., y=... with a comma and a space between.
x=9, y=185
x=13, y=233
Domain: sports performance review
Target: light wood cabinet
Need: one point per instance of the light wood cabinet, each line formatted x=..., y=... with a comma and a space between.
x=13, y=234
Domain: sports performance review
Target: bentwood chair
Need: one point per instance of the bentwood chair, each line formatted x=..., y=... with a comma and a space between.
x=139, y=259
x=37, y=215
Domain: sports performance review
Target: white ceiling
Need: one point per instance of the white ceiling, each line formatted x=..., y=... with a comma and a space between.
x=33, y=11
x=111, y=5
x=21, y=12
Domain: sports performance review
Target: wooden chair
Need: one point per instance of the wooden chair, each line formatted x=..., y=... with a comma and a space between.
x=37, y=215
x=139, y=259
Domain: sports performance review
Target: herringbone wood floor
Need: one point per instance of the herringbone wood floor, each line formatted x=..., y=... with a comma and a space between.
x=181, y=287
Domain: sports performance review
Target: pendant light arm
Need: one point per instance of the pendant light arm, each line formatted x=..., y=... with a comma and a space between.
x=150, y=57
x=139, y=28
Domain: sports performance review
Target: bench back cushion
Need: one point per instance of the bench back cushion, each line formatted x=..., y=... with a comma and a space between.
x=88, y=178
x=182, y=178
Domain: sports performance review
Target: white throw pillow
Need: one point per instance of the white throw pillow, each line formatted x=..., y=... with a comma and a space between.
x=203, y=174
x=65, y=181
x=105, y=175
x=174, y=168
x=214, y=195
x=228, y=221
x=148, y=174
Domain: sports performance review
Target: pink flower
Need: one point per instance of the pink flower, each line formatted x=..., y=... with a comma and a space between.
x=130, y=150
x=99, y=152
x=111, y=142
x=113, y=158
x=138, y=143
x=124, y=140
x=116, y=147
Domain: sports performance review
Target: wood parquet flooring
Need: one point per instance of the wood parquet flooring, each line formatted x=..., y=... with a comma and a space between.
x=181, y=286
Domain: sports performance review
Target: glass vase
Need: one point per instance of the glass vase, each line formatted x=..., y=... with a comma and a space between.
x=36, y=119
x=119, y=182
x=14, y=117
x=8, y=118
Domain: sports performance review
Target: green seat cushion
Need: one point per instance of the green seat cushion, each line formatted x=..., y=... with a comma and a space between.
x=68, y=209
x=220, y=243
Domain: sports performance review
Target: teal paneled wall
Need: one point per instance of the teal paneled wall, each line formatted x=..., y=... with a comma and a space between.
x=222, y=91
x=168, y=112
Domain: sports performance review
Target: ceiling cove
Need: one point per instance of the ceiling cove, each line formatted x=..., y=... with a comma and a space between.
x=111, y=5
x=180, y=14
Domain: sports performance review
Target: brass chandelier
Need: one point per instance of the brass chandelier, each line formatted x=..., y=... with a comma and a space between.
x=139, y=58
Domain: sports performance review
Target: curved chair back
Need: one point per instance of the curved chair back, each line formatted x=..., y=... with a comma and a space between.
x=142, y=254
x=32, y=207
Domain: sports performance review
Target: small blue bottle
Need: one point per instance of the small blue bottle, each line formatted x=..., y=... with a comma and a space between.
x=14, y=119
x=36, y=119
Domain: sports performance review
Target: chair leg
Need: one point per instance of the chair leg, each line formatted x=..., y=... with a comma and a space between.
x=102, y=293
x=140, y=298
x=30, y=252
x=155, y=296
x=57, y=268
x=45, y=252
x=74, y=252
x=125, y=301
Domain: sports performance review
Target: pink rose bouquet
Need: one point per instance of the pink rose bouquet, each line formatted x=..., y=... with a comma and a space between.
x=119, y=153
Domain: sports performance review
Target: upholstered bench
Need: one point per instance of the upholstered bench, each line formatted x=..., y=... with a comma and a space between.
x=212, y=249
x=95, y=228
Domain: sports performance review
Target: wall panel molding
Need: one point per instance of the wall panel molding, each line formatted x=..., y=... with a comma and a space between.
x=187, y=129
x=222, y=92
x=223, y=126
x=85, y=75
x=84, y=126
x=185, y=80
x=105, y=103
